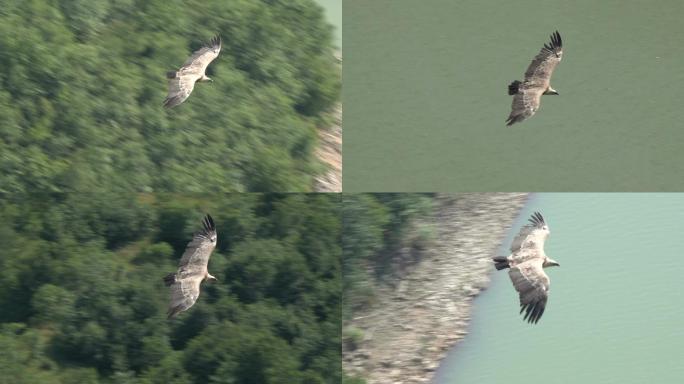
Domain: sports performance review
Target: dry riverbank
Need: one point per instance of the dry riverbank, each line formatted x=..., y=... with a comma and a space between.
x=423, y=314
x=329, y=149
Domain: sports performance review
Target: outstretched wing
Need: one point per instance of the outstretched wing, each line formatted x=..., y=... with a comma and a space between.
x=183, y=81
x=180, y=89
x=185, y=284
x=532, y=235
x=184, y=293
x=532, y=284
x=538, y=74
x=525, y=104
x=537, y=79
x=200, y=59
x=198, y=251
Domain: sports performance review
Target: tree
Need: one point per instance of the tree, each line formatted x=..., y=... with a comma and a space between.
x=82, y=297
x=82, y=87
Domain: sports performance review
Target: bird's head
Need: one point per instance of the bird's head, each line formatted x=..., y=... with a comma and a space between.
x=551, y=91
x=545, y=229
x=211, y=278
x=548, y=262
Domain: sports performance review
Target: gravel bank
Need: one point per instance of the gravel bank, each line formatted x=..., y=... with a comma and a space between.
x=417, y=320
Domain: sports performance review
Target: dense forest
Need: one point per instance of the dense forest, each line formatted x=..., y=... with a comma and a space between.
x=82, y=85
x=82, y=299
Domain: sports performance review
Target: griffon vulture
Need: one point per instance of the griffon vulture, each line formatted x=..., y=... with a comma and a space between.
x=527, y=262
x=192, y=269
x=182, y=81
x=527, y=94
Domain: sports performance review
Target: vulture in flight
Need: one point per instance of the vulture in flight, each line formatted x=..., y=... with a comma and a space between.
x=527, y=94
x=527, y=262
x=182, y=81
x=192, y=269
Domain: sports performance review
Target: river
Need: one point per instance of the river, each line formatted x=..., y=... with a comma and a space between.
x=425, y=96
x=615, y=309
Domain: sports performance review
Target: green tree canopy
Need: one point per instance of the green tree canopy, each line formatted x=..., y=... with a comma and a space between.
x=82, y=83
x=82, y=298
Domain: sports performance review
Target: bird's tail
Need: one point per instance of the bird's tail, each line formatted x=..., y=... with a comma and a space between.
x=169, y=279
x=513, y=87
x=171, y=74
x=172, y=312
x=500, y=262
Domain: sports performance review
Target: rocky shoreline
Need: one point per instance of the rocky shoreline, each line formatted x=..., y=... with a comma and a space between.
x=426, y=312
x=329, y=150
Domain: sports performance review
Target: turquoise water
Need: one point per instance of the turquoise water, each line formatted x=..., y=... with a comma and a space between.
x=615, y=310
x=333, y=11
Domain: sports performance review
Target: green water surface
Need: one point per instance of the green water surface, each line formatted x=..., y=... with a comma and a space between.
x=333, y=11
x=615, y=311
x=425, y=96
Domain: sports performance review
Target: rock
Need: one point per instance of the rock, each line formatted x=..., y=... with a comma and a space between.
x=415, y=325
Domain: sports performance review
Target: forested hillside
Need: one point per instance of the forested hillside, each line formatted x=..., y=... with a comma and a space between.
x=82, y=299
x=383, y=233
x=82, y=85
x=411, y=271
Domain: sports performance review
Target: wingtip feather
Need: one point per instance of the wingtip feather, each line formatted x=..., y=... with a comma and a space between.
x=537, y=219
x=209, y=223
x=215, y=41
x=556, y=41
x=533, y=312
